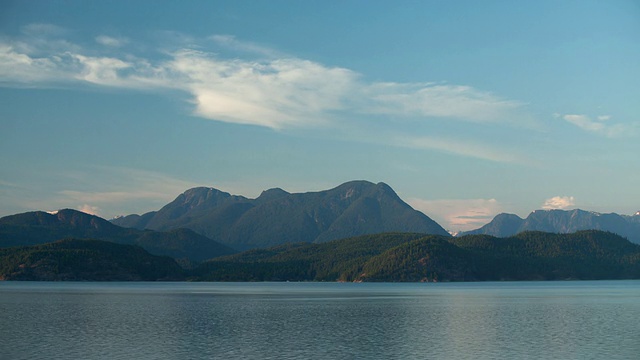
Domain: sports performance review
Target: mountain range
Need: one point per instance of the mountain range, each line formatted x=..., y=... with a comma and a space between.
x=277, y=217
x=562, y=221
x=204, y=223
x=38, y=227
x=358, y=231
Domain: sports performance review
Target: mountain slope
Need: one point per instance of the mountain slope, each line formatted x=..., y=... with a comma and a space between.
x=39, y=227
x=562, y=221
x=278, y=217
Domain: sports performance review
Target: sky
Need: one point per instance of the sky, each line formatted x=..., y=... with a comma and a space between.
x=467, y=109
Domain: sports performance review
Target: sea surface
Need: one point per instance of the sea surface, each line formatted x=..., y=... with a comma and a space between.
x=506, y=320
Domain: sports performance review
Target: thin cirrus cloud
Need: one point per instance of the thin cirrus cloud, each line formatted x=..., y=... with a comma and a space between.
x=440, y=100
x=274, y=91
x=459, y=147
x=111, y=41
x=231, y=42
x=601, y=125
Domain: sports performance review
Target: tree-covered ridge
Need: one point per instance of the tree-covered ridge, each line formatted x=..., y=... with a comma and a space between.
x=391, y=257
x=426, y=259
x=413, y=257
x=338, y=260
x=85, y=260
x=535, y=255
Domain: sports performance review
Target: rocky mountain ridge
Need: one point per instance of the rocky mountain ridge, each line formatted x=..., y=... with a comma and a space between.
x=278, y=217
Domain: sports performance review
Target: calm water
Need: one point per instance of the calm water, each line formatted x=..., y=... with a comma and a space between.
x=552, y=320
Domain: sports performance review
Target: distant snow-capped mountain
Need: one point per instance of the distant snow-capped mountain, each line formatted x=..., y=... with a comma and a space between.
x=562, y=221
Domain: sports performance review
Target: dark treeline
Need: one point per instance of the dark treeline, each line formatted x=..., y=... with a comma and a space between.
x=86, y=260
x=585, y=255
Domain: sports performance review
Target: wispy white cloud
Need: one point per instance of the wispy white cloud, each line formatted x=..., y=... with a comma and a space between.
x=19, y=67
x=274, y=91
x=442, y=100
x=459, y=214
x=601, y=125
x=584, y=122
x=271, y=92
x=101, y=70
x=231, y=42
x=559, y=202
x=111, y=41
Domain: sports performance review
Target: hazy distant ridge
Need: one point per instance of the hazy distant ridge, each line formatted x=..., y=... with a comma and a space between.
x=562, y=221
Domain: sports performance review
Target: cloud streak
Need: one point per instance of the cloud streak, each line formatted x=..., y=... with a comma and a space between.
x=441, y=100
x=274, y=91
x=601, y=125
x=458, y=147
x=111, y=41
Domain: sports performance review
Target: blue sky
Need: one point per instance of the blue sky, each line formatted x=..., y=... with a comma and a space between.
x=466, y=108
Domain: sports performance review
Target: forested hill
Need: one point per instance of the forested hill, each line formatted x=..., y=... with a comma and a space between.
x=85, y=260
x=414, y=257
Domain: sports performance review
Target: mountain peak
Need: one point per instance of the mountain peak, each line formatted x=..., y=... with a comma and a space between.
x=198, y=198
x=272, y=194
x=195, y=200
x=203, y=193
x=356, y=188
x=355, y=184
x=507, y=216
x=385, y=189
x=76, y=218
